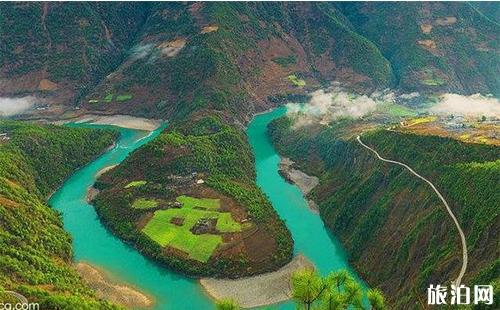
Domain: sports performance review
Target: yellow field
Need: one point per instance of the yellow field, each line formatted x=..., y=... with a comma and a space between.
x=421, y=120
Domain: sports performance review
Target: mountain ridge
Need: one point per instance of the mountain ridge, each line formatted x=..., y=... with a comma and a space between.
x=173, y=58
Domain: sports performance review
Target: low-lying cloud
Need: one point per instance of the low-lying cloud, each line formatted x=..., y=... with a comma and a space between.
x=475, y=105
x=14, y=106
x=326, y=107
x=410, y=96
x=141, y=51
x=335, y=103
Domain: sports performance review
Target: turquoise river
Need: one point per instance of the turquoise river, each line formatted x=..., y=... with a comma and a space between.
x=94, y=244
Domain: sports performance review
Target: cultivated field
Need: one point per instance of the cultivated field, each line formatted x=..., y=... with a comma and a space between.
x=194, y=228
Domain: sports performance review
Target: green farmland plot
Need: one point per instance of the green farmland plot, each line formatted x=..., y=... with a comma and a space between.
x=204, y=247
x=433, y=82
x=191, y=202
x=121, y=98
x=296, y=81
x=198, y=246
x=225, y=223
x=142, y=203
x=108, y=98
x=135, y=184
x=160, y=230
x=396, y=110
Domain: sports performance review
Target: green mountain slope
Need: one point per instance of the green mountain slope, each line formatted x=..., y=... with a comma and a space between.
x=448, y=47
x=366, y=203
x=35, y=251
x=226, y=56
x=167, y=58
x=164, y=59
x=61, y=50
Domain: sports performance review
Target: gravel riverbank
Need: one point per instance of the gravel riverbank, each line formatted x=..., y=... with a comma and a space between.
x=265, y=289
x=303, y=181
x=105, y=288
x=125, y=121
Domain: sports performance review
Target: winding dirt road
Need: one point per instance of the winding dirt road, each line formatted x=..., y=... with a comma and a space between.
x=461, y=233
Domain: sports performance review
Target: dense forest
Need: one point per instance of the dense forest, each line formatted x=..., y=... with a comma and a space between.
x=366, y=202
x=35, y=251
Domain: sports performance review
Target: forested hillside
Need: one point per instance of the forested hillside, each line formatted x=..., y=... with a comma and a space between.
x=434, y=46
x=366, y=203
x=35, y=251
x=208, y=165
x=62, y=50
x=231, y=57
x=168, y=59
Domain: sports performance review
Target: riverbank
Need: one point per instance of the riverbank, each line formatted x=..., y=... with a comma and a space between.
x=261, y=290
x=125, y=121
x=302, y=180
x=94, y=244
x=114, y=292
x=104, y=170
x=92, y=193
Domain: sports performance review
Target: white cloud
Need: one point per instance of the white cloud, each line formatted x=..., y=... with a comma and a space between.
x=141, y=51
x=474, y=105
x=325, y=107
x=13, y=106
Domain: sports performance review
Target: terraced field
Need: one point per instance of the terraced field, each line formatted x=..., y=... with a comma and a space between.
x=191, y=228
x=109, y=98
x=143, y=203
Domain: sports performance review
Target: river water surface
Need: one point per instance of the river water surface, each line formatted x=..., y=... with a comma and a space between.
x=92, y=243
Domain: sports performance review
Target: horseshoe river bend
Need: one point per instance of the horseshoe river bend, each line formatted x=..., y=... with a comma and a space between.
x=93, y=244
